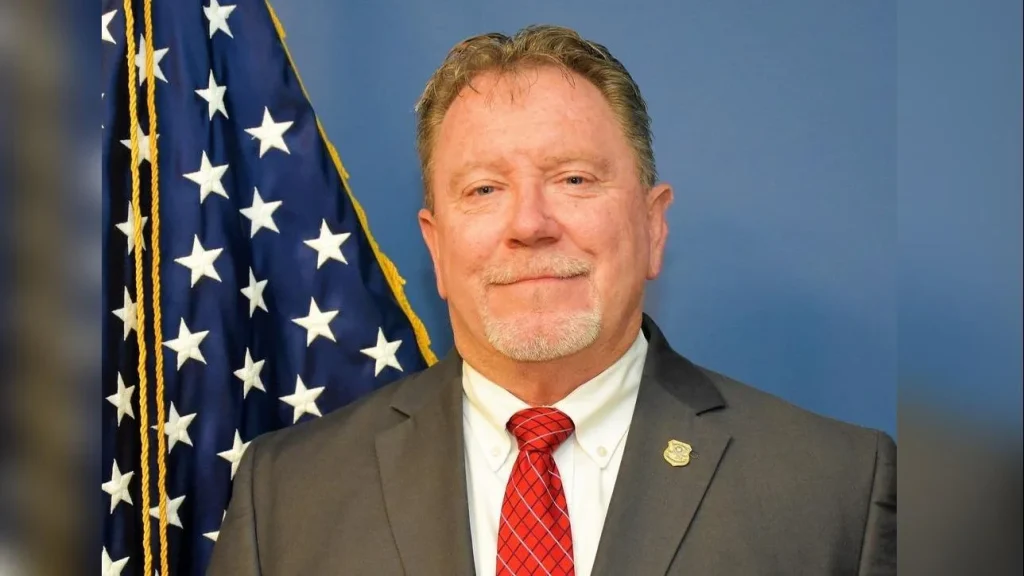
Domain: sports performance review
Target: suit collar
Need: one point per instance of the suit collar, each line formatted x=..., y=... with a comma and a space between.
x=423, y=474
x=654, y=502
x=680, y=378
x=439, y=383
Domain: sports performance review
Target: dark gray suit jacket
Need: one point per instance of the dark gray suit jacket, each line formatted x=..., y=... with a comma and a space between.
x=379, y=487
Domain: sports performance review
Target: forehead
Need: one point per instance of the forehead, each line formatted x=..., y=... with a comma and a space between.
x=532, y=111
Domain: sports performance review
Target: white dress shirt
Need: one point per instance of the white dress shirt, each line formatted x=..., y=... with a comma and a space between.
x=588, y=461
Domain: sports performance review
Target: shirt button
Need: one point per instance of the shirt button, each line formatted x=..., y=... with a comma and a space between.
x=495, y=452
x=601, y=451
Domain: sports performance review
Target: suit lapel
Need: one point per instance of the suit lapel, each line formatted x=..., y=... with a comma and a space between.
x=423, y=474
x=654, y=502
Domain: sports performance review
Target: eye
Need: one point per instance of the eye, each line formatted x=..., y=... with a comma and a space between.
x=482, y=190
x=575, y=180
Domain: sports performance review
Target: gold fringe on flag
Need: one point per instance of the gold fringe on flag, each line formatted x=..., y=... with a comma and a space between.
x=395, y=280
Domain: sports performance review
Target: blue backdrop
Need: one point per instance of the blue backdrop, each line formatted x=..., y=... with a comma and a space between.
x=777, y=124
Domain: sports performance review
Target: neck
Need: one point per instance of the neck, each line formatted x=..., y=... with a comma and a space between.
x=545, y=383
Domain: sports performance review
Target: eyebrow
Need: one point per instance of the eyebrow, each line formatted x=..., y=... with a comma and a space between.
x=494, y=165
x=602, y=164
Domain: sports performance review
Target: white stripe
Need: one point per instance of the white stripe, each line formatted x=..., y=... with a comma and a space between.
x=539, y=436
x=505, y=564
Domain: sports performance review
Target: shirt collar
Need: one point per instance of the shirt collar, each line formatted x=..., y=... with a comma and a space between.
x=600, y=408
x=488, y=408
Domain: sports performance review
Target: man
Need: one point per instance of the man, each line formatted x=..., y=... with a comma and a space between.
x=562, y=435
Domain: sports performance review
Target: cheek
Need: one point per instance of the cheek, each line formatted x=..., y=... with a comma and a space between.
x=620, y=248
x=608, y=232
x=466, y=248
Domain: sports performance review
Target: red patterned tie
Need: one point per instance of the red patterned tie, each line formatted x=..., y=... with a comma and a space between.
x=534, y=536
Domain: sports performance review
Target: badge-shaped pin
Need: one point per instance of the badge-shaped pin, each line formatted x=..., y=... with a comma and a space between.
x=678, y=453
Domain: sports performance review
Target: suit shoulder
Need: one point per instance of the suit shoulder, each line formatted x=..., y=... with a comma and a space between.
x=802, y=458
x=775, y=419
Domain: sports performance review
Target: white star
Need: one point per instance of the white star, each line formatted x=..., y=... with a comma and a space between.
x=117, y=487
x=172, y=511
x=128, y=228
x=250, y=374
x=303, y=401
x=112, y=568
x=145, y=155
x=328, y=245
x=254, y=292
x=218, y=17
x=234, y=455
x=261, y=213
x=317, y=323
x=187, y=344
x=200, y=261
x=214, y=96
x=140, y=62
x=176, y=428
x=383, y=353
x=122, y=399
x=106, y=26
x=270, y=133
x=208, y=177
x=213, y=535
x=127, y=314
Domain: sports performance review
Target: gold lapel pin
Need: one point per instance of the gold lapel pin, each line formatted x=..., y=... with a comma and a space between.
x=678, y=453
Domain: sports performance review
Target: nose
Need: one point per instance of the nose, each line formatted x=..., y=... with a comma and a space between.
x=532, y=221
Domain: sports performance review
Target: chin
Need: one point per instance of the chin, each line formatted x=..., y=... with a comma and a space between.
x=542, y=337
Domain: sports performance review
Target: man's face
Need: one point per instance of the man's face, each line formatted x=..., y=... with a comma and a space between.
x=542, y=233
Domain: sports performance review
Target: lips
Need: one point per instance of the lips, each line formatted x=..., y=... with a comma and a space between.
x=534, y=279
x=551, y=268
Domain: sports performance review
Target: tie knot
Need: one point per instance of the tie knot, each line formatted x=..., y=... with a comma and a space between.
x=540, y=429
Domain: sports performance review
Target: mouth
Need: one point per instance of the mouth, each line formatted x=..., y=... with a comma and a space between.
x=536, y=280
x=541, y=279
x=548, y=270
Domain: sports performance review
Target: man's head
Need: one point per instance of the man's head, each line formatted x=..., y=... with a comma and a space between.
x=542, y=215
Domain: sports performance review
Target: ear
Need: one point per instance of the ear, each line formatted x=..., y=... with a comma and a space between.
x=429, y=230
x=659, y=198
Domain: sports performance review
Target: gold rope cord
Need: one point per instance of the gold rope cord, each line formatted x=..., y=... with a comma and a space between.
x=154, y=231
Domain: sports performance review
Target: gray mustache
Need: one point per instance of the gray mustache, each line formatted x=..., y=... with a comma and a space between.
x=554, y=266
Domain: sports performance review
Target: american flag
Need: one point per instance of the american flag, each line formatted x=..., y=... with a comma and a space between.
x=276, y=304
